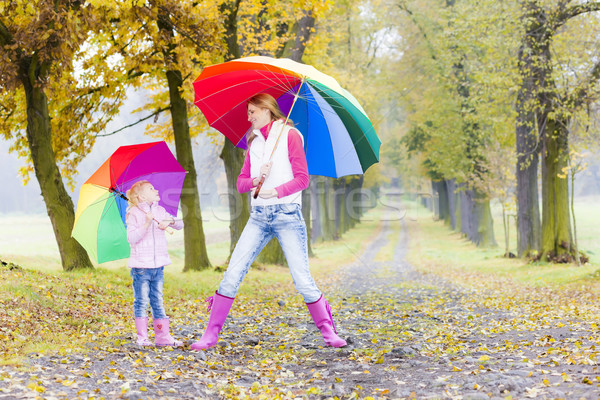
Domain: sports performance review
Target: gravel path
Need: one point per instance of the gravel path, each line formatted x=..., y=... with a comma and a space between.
x=411, y=336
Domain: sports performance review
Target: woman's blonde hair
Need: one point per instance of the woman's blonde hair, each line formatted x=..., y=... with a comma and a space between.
x=265, y=100
x=133, y=194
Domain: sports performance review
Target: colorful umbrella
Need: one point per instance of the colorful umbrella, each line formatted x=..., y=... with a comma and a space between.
x=100, y=218
x=339, y=138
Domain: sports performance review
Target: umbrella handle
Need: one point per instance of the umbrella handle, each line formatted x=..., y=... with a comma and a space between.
x=168, y=229
x=260, y=183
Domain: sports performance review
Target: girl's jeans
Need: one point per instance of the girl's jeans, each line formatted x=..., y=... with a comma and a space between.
x=285, y=222
x=148, y=288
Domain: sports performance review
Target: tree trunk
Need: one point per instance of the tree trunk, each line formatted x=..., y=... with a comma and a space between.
x=557, y=242
x=576, y=247
x=485, y=222
x=457, y=208
x=443, y=201
x=467, y=213
x=324, y=217
x=39, y=137
x=451, y=188
x=338, y=205
x=533, y=68
x=196, y=255
x=233, y=157
x=306, y=214
x=528, y=212
x=239, y=208
x=317, y=230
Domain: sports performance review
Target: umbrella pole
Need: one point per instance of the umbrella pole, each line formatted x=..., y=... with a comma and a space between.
x=263, y=176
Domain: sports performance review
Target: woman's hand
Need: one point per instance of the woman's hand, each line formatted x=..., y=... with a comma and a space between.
x=267, y=193
x=266, y=169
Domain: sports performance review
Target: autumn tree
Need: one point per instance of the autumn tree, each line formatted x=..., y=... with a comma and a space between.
x=172, y=41
x=545, y=109
x=57, y=92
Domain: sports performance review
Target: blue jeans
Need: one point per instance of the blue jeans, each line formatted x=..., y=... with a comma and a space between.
x=285, y=222
x=148, y=288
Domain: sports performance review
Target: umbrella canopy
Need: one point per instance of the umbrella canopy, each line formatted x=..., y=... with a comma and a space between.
x=100, y=217
x=339, y=138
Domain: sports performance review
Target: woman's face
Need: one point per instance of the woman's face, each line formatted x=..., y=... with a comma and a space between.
x=258, y=117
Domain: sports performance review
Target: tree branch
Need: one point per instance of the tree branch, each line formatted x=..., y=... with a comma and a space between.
x=573, y=11
x=156, y=113
x=579, y=95
x=5, y=36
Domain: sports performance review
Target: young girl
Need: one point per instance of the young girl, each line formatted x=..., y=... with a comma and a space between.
x=146, y=223
x=277, y=212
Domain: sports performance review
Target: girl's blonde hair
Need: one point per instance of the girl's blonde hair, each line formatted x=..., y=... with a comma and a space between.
x=133, y=194
x=265, y=100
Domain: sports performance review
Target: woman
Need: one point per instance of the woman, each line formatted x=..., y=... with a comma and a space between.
x=277, y=211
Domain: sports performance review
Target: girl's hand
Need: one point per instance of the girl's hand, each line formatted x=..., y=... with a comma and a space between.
x=165, y=223
x=149, y=219
x=267, y=193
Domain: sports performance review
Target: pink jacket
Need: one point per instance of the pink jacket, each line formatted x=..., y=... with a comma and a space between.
x=148, y=245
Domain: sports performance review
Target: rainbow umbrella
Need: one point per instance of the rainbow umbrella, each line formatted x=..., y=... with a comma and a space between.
x=339, y=138
x=100, y=217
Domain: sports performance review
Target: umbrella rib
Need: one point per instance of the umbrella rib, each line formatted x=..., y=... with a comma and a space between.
x=222, y=116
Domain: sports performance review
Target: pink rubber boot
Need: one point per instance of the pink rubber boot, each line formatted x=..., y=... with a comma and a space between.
x=321, y=314
x=162, y=337
x=220, y=308
x=141, y=326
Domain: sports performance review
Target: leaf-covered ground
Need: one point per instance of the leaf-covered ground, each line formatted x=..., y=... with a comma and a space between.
x=412, y=335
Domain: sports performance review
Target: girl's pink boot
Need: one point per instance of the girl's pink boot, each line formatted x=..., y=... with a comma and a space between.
x=162, y=337
x=141, y=326
x=220, y=308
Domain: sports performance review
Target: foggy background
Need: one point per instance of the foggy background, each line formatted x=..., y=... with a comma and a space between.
x=27, y=199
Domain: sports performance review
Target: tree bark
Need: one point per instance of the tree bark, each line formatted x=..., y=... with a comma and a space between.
x=317, y=230
x=196, y=254
x=324, y=210
x=306, y=214
x=59, y=205
x=233, y=157
x=557, y=241
x=451, y=188
x=533, y=69
x=443, y=206
x=485, y=222
x=239, y=207
x=467, y=214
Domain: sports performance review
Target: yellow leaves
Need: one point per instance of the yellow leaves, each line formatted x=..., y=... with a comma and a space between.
x=37, y=387
x=484, y=358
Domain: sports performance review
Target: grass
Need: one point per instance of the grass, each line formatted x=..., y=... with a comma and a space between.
x=436, y=248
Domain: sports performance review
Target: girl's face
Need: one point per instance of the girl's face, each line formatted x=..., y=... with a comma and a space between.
x=258, y=117
x=149, y=194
